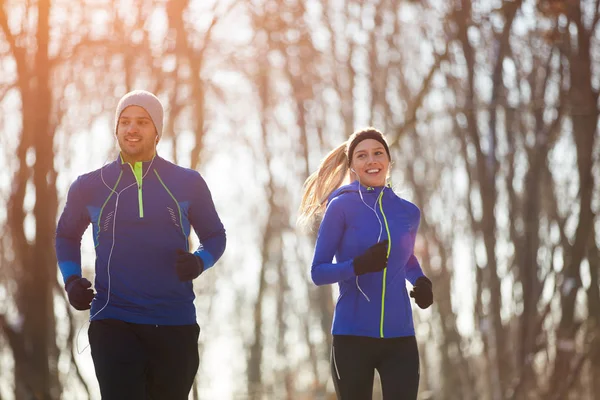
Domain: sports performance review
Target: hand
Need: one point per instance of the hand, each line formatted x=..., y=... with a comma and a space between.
x=372, y=260
x=422, y=292
x=79, y=292
x=188, y=265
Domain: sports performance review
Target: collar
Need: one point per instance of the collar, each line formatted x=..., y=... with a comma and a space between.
x=370, y=189
x=154, y=161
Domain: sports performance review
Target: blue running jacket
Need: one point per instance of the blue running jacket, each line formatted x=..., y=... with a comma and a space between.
x=374, y=304
x=140, y=216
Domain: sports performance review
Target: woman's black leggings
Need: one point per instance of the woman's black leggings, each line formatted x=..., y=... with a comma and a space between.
x=354, y=360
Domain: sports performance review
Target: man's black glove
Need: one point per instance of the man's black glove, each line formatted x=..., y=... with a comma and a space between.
x=188, y=265
x=372, y=260
x=422, y=292
x=79, y=292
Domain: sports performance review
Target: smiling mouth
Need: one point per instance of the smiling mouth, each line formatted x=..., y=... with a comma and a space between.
x=373, y=171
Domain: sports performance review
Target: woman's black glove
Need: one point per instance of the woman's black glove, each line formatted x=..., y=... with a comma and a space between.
x=372, y=260
x=79, y=292
x=422, y=292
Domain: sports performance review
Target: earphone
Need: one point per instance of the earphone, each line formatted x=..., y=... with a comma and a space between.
x=378, y=220
x=112, y=246
x=115, y=222
x=371, y=208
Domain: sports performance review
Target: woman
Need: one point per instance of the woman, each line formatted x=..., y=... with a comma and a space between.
x=371, y=232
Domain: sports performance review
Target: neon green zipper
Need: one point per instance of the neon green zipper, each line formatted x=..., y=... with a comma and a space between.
x=138, y=173
x=387, y=228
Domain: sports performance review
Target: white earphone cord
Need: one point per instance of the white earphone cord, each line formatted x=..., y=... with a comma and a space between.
x=112, y=246
x=380, y=227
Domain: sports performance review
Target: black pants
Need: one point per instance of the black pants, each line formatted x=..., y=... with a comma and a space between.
x=143, y=362
x=354, y=360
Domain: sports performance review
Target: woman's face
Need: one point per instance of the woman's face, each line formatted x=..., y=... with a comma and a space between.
x=370, y=163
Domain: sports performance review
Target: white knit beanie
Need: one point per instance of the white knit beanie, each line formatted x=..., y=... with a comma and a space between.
x=148, y=102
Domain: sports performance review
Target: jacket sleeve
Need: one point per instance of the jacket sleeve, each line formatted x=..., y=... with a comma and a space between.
x=72, y=223
x=207, y=224
x=331, y=231
x=413, y=268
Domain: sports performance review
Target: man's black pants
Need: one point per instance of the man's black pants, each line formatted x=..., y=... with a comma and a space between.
x=144, y=362
x=354, y=360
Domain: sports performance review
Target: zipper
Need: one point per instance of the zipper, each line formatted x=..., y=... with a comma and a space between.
x=383, y=288
x=138, y=174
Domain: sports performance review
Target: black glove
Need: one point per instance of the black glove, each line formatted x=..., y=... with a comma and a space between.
x=79, y=292
x=422, y=292
x=372, y=260
x=188, y=265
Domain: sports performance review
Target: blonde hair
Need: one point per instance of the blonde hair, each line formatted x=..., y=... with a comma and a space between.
x=320, y=184
x=329, y=176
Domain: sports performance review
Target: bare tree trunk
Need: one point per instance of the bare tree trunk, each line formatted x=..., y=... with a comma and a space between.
x=485, y=177
x=593, y=295
x=527, y=244
x=255, y=352
x=583, y=101
x=254, y=374
x=34, y=345
x=344, y=72
x=285, y=376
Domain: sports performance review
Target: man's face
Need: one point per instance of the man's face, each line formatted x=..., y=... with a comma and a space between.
x=136, y=135
x=370, y=163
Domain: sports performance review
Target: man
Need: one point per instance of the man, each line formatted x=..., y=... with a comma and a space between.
x=143, y=332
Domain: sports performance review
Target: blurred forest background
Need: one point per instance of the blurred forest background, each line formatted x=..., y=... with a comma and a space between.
x=491, y=110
